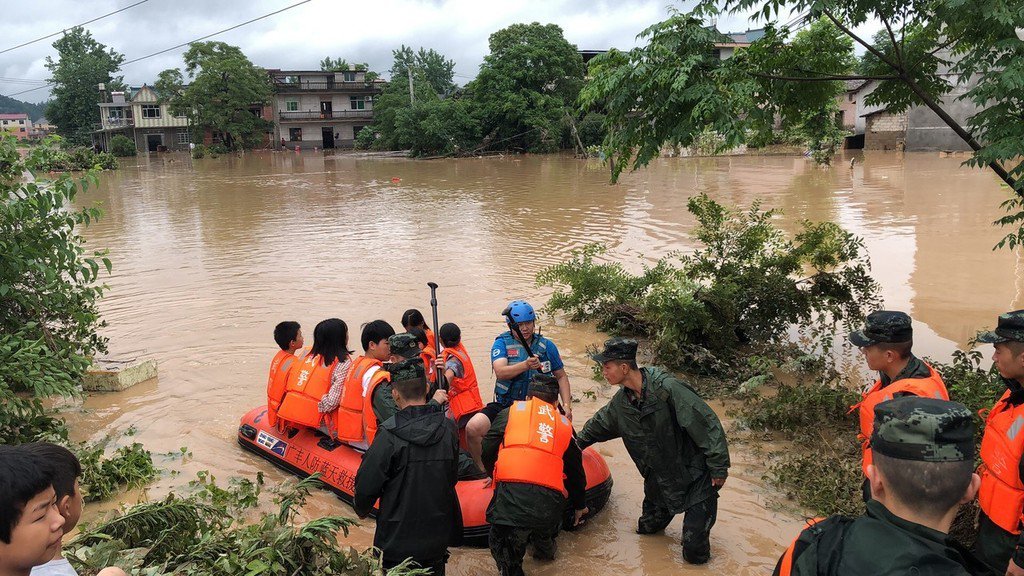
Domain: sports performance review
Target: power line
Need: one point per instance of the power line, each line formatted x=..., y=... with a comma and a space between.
x=75, y=26
x=50, y=83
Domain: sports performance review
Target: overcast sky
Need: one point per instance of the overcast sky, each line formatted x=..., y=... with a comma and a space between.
x=299, y=38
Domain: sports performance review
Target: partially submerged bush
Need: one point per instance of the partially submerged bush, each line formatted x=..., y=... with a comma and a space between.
x=122, y=146
x=745, y=284
x=826, y=479
x=802, y=407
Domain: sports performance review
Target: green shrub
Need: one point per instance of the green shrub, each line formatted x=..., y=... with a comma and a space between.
x=745, y=284
x=811, y=406
x=199, y=151
x=122, y=146
x=217, y=149
x=591, y=129
x=826, y=479
x=365, y=138
x=130, y=466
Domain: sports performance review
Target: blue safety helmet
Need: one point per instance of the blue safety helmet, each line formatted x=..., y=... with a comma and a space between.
x=521, y=311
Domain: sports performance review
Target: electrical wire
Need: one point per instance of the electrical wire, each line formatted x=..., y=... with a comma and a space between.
x=75, y=26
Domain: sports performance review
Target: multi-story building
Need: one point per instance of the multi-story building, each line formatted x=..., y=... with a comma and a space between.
x=317, y=109
x=17, y=124
x=41, y=129
x=139, y=115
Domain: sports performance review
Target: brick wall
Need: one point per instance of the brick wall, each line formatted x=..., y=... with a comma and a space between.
x=885, y=131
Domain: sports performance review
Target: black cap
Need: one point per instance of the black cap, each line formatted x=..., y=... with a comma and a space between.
x=617, y=349
x=1009, y=328
x=883, y=326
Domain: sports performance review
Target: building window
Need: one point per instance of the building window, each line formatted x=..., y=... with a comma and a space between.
x=184, y=137
x=290, y=80
x=150, y=111
x=291, y=105
x=115, y=113
x=357, y=102
x=295, y=134
x=349, y=76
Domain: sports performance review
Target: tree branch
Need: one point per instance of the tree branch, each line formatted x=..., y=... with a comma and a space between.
x=892, y=38
x=866, y=45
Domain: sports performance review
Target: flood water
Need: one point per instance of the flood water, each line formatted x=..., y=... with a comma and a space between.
x=209, y=255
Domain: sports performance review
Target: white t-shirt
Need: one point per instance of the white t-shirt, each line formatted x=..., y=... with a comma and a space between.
x=56, y=567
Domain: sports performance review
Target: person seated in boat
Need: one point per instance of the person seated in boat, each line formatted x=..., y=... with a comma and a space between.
x=403, y=347
x=366, y=375
x=310, y=382
x=429, y=357
x=411, y=469
x=288, y=335
x=413, y=318
x=463, y=390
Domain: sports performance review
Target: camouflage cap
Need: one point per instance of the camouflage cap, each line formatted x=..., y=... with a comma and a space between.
x=617, y=349
x=883, y=326
x=544, y=383
x=923, y=429
x=1010, y=327
x=404, y=345
x=409, y=369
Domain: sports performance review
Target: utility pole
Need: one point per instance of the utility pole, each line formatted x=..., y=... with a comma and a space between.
x=412, y=95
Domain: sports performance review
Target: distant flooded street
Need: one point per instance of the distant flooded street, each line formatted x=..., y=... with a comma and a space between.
x=209, y=255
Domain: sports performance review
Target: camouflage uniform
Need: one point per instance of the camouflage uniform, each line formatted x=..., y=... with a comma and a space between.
x=995, y=545
x=879, y=542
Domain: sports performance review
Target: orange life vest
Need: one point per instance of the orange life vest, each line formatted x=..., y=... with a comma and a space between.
x=463, y=393
x=536, y=438
x=277, y=382
x=786, y=563
x=349, y=416
x=1001, y=495
x=431, y=340
x=308, y=381
x=930, y=387
x=369, y=416
x=428, y=356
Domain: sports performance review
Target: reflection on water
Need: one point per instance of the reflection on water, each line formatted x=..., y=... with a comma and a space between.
x=209, y=255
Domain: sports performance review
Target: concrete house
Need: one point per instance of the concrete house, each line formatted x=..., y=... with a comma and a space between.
x=139, y=115
x=18, y=125
x=317, y=109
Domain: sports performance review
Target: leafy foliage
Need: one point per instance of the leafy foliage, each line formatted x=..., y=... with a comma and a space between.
x=329, y=64
x=122, y=146
x=205, y=533
x=130, y=466
x=426, y=65
x=48, y=291
x=82, y=63
x=527, y=85
x=223, y=91
x=745, y=284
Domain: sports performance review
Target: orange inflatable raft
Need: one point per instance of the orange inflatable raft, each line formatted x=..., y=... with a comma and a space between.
x=307, y=451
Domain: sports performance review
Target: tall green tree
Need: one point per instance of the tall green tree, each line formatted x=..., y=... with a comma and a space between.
x=82, y=64
x=427, y=65
x=223, y=91
x=526, y=87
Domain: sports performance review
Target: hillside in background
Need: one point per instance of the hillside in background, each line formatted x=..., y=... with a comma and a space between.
x=12, y=106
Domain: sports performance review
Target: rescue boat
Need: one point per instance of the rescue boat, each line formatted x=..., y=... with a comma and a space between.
x=307, y=451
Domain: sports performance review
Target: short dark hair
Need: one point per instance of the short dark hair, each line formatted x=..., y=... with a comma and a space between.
x=902, y=349
x=66, y=467
x=1016, y=348
x=631, y=363
x=23, y=476
x=411, y=390
x=931, y=489
x=420, y=335
x=375, y=332
x=450, y=334
x=413, y=318
x=285, y=333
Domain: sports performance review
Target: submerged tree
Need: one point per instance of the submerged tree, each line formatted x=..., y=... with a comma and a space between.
x=225, y=93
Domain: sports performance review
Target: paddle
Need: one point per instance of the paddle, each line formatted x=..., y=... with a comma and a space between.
x=442, y=382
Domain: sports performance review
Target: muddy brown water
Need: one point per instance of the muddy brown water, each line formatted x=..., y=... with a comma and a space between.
x=208, y=255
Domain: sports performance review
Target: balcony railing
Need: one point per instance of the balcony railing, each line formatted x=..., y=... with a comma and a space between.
x=118, y=122
x=317, y=115
x=322, y=86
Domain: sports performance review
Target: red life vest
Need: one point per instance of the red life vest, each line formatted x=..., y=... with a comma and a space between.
x=349, y=416
x=463, y=393
x=1001, y=495
x=536, y=438
x=277, y=381
x=308, y=381
x=930, y=387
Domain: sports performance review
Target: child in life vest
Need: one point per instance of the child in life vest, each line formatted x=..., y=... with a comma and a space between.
x=463, y=390
x=288, y=336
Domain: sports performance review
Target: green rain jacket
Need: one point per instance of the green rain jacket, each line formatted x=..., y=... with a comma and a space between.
x=671, y=434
